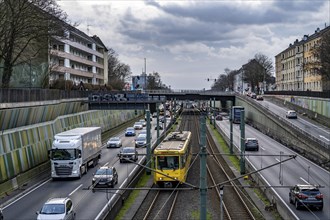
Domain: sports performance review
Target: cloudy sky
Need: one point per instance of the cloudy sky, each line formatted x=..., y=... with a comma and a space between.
x=190, y=41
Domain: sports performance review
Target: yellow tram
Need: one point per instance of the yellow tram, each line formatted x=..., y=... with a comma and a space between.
x=172, y=158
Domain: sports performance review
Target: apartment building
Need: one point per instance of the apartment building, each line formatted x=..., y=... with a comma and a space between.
x=292, y=68
x=79, y=58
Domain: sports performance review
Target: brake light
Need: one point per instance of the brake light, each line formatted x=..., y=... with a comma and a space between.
x=302, y=196
x=319, y=196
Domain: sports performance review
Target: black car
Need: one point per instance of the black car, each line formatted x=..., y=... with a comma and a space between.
x=128, y=154
x=251, y=144
x=105, y=176
x=306, y=196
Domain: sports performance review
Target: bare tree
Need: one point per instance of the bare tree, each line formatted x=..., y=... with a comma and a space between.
x=154, y=81
x=25, y=28
x=225, y=81
x=258, y=70
x=118, y=72
x=321, y=64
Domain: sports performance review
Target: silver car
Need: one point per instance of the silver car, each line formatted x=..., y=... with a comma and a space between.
x=114, y=142
x=57, y=208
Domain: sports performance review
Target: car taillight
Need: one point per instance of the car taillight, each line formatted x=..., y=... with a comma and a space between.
x=319, y=196
x=302, y=196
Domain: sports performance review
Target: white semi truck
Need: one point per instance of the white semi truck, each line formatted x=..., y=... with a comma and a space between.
x=74, y=151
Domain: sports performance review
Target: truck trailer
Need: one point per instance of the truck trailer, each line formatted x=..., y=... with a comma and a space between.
x=74, y=151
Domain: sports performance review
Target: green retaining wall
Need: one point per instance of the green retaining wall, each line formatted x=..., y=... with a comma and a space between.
x=28, y=115
x=24, y=148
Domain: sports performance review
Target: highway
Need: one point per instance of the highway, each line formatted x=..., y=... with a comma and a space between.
x=317, y=131
x=295, y=171
x=87, y=204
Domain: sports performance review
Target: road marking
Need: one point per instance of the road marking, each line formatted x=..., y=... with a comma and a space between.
x=75, y=190
x=106, y=164
x=324, y=138
x=304, y=180
x=26, y=194
x=262, y=148
x=277, y=160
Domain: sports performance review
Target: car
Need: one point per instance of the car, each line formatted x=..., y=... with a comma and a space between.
x=128, y=154
x=154, y=115
x=138, y=126
x=114, y=142
x=144, y=131
x=260, y=97
x=306, y=196
x=218, y=118
x=162, y=119
x=145, y=118
x=141, y=140
x=57, y=208
x=253, y=95
x=105, y=176
x=251, y=144
x=144, y=122
x=130, y=131
x=291, y=114
x=160, y=127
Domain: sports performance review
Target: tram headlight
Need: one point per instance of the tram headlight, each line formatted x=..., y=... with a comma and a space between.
x=160, y=178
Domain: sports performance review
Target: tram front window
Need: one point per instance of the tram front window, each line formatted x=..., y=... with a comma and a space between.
x=168, y=162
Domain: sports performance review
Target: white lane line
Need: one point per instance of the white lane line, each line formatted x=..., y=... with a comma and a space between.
x=106, y=164
x=277, y=160
x=304, y=180
x=75, y=190
x=324, y=138
x=262, y=148
x=26, y=194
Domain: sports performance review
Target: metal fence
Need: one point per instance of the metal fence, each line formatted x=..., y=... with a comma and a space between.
x=34, y=94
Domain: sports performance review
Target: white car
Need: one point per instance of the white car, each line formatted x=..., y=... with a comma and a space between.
x=291, y=114
x=57, y=208
x=138, y=126
x=114, y=142
x=144, y=122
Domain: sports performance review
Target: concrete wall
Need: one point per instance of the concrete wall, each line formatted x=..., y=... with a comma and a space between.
x=25, y=148
x=284, y=132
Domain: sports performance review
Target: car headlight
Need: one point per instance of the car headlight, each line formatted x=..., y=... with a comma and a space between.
x=94, y=180
x=75, y=172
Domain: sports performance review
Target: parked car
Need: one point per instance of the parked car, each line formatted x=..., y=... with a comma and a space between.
x=130, y=131
x=128, y=154
x=105, y=176
x=253, y=95
x=306, y=196
x=141, y=140
x=260, y=97
x=57, y=208
x=291, y=114
x=251, y=144
x=143, y=122
x=138, y=126
x=114, y=142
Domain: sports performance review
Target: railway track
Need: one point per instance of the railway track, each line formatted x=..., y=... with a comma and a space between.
x=235, y=203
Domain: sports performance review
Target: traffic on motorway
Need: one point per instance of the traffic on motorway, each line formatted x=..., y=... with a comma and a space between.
x=285, y=177
x=66, y=196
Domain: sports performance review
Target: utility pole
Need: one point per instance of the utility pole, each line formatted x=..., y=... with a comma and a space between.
x=231, y=117
x=214, y=113
x=203, y=154
x=242, y=159
x=148, y=143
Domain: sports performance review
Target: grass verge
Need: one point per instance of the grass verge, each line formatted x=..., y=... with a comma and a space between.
x=131, y=199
